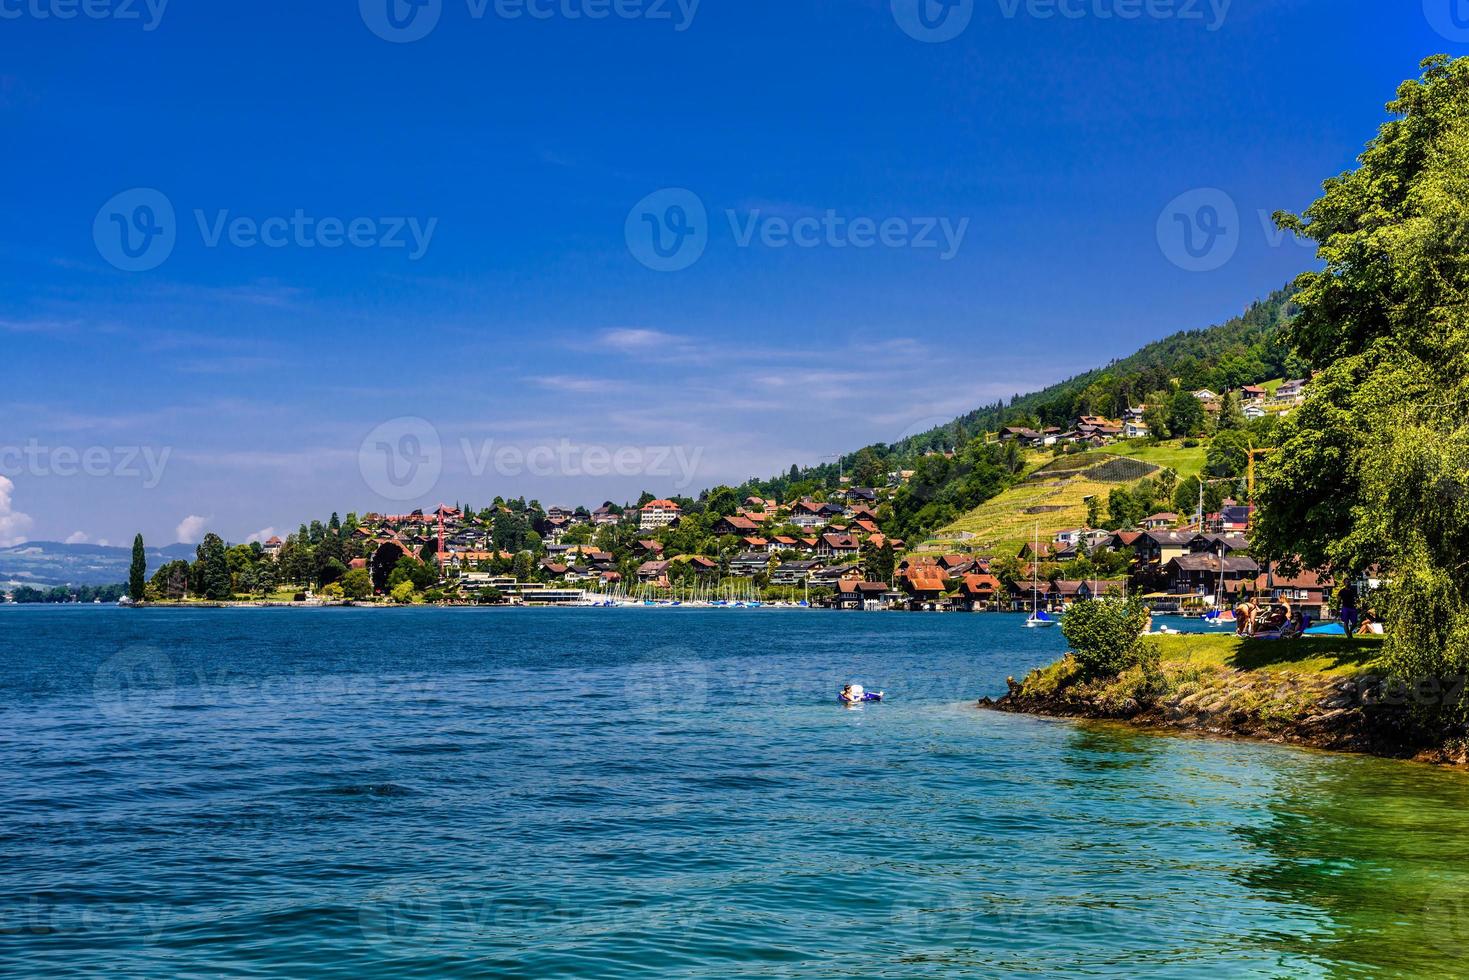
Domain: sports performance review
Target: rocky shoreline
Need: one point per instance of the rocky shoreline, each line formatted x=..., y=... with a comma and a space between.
x=1358, y=713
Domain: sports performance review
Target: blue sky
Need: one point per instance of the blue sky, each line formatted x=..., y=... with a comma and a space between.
x=1016, y=188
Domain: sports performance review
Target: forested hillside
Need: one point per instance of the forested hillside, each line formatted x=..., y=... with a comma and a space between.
x=955, y=470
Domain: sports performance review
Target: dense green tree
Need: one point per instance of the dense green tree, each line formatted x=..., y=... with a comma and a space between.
x=213, y=569
x=138, y=571
x=1231, y=416
x=1228, y=454
x=1374, y=468
x=1186, y=415
x=357, y=584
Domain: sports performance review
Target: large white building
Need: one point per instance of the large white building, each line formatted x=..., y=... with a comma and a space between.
x=657, y=513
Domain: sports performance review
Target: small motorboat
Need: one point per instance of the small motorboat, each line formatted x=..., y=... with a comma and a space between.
x=856, y=694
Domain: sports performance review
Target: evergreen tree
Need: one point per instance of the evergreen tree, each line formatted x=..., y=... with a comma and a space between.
x=138, y=571
x=214, y=569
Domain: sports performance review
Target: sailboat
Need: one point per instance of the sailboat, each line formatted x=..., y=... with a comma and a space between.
x=1037, y=617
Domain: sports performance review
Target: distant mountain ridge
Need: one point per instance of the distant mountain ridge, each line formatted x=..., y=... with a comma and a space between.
x=46, y=564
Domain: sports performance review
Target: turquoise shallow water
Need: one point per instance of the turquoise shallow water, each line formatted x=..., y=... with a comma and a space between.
x=656, y=793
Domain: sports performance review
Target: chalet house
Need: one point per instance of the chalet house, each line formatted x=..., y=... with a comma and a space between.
x=749, y=563
x=700, y=564
x=553, y=569
x=783, y=543
x=658, y=513
x=1309, y=592
x=1201, y=575
x=1134, y=414
x=857, y=496
x=1026, y=437
x=1233, y=519
x=653, y=571
x=795, y=572
x=1161, y=547
x=1123, y=540
x=559, y=513
x=1049, y=551
x=651, y=547
x=1063, y=593
x=924, y=583
x=808, y=514
x=979, y=591
x=605, y=515
x=1205, y=395
x=831, y=575
x=1070, y=536
x=757, y=544
x=273, y=545
x=1291, y=391
x=735, y=524
x=1160, y=522
x=854, y=594
x=1252, y=394
x=956, y=565
x=1254, y=411
x=1135, y=430
x=1022, y=598
x=861, y=512
x=1213, y=544
x=837, y=545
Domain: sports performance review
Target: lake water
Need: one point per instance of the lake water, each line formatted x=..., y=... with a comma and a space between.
x=667, y=793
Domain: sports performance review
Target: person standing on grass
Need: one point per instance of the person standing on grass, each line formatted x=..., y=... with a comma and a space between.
x=1349, y=597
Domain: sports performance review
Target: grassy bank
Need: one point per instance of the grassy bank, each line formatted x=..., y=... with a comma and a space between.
x=1327, y=692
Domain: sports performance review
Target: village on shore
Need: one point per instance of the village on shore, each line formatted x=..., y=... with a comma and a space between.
x=823, y=547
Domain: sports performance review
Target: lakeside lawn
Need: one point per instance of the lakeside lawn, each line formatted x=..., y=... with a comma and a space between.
x=1326, y=655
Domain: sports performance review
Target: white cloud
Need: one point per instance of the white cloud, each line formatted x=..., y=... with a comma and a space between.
x=13, y=524
x=191, y=529
x=77, y=537
x=263, y=535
